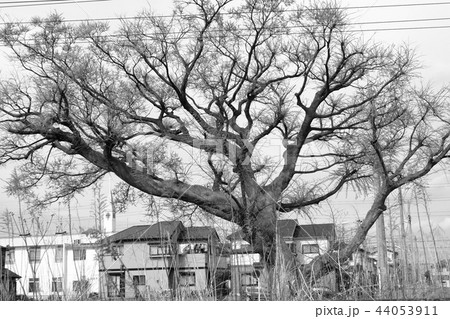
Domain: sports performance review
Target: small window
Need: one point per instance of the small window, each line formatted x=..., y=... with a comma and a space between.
x=57, y=284
x=10, y=256
x=139, y=280
x=187, y=279
x=58, y=254
x=79, y=254
x=310, y=249
x=33, y=285
x=34, y=254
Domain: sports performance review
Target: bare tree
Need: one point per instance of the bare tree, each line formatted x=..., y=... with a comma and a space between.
x=406, y=136
x=221, y=80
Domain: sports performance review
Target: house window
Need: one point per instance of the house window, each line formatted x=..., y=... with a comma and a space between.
x=116, y=285
x=10, y=256
x=310, y=249
x=160, y=250
x=33, y=285
x=57, y=284
x=248, y=280
x=139, y=280
x=187, y=279
x=58, y=254
x=79, y=254
x=34, y=254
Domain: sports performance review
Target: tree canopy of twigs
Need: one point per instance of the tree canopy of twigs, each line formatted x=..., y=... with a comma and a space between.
x=181, y=108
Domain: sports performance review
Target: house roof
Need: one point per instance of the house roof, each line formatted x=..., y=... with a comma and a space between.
x=286, y=227
x=10, y=274
x=289, y=228
x=314, y=231
x=340, y=245
x=237, y=235
x=198, y=233
x=161, y=230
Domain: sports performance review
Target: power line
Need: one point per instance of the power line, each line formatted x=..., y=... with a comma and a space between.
x=109, y=38
x=324, y=9
x=241, y=29
x=20, y=4
x=396, y=5
x=30, y=1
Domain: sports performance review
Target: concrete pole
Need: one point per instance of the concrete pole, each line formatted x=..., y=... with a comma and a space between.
x=412, y=251
x=394, y=276
x=405, y=272
x=382, y=257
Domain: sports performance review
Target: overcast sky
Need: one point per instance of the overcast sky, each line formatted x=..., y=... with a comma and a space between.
x=424, y=27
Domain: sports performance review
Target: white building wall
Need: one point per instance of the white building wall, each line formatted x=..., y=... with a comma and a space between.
x=48, y=268
x=324, y=246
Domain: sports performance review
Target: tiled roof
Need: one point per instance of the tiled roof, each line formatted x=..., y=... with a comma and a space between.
x=161, y=230
x=202, y=233
x=286, y=227
x=237, y=235
x=10, y=274
x=315, y=231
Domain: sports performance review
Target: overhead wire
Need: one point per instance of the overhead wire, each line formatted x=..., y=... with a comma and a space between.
x=291, y=27
x=117, y=38
x=21, y=4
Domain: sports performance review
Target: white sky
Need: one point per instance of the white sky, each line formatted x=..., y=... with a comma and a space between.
x=432, y=46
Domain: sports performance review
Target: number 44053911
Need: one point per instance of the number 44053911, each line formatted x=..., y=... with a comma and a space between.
x=407, y=310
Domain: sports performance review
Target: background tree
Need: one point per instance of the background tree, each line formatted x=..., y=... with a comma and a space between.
x=217, y=81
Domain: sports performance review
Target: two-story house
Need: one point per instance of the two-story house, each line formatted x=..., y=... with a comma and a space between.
x=300, y=244
x=60, y=266
x=306, y=242
x=165, y=257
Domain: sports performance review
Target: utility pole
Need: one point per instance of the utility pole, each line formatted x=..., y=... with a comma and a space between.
x=394, y=277
x=405, y=273
x=411, y=246
x=382, y=255
x=418, y=267
x=403, y=239
x=427, y=271
x=432, y=237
